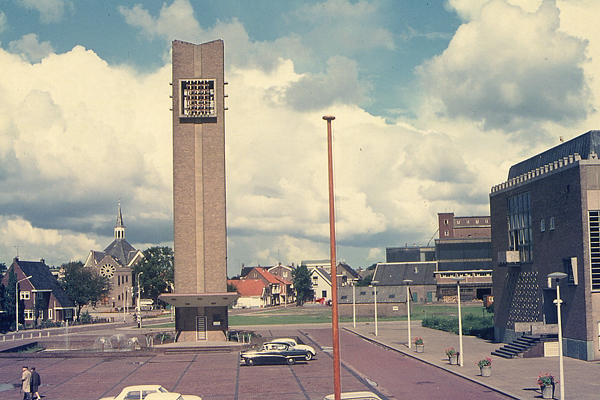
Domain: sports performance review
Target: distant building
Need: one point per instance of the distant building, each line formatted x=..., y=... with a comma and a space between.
x=41, y=292
x=116, y=262
x=546, y=219
x=418, y=276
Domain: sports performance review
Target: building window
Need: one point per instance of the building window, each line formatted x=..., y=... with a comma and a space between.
x=50, y=313
x=519, y=225
x=551, y=223
x=29, y=315
x=476, y=221
x=594, y=220
x=446, y=233
x=570, y=268
x=39, y=295
x=543, y=225
x=445, y=222
x=24, y=295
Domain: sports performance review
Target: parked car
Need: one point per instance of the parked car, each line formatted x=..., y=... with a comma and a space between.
x=292, y=342
x=355, y=396
x=140, y=392
x=171, y=396
x=273, y=353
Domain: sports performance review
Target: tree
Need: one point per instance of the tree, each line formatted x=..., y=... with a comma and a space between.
x=9, y=305
x=302, y=284
x=83, y=285
x=157, y=272
x=365, y=280
x=231, y=287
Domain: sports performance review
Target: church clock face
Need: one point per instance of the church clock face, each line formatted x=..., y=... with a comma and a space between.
x=107, y=271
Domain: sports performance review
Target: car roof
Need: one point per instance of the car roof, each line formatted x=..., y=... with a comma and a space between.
x=356, y=395
x=146, y=387
x=164, y=396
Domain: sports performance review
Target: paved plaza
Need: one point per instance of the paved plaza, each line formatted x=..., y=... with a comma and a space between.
x=218, y=375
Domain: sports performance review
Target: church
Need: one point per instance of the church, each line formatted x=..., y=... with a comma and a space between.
x=116, y=262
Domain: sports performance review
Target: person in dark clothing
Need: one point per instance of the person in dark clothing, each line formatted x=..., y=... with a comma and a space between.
x=35, y=383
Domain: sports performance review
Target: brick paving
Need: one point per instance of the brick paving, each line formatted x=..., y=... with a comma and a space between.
x=514, y=377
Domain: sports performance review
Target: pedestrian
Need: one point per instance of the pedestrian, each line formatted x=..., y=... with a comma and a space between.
x=36, y=381
x=26, y=383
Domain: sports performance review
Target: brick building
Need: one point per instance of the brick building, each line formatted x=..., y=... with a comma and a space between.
x=545, y=219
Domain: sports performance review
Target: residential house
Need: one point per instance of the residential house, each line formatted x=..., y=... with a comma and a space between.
x=254, y=293
x=276, y=285
x=321, y=284
x=40, y=293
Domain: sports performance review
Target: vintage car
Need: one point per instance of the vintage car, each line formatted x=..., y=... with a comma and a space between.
x=292, y=342
x=273, y=353
x=140, y=392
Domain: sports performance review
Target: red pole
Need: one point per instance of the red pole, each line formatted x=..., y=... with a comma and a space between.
x=334, y=297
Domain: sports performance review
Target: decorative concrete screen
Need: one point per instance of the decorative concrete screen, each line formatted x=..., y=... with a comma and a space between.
x=197, y=98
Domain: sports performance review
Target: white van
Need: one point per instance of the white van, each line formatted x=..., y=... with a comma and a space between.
x=146, y=304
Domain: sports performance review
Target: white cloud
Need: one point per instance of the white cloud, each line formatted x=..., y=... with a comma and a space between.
x=77, y=135
x=509, y=68
x=3, y=23
x=174, y=21
x=30, y=243
x=50, y=10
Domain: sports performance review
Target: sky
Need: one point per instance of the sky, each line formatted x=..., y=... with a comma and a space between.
x=434, y=101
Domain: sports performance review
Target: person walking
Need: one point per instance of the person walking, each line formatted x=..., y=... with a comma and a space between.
x=26, y=383
x=36, y=381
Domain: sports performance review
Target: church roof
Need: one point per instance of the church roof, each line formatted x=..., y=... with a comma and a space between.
x=121, y=251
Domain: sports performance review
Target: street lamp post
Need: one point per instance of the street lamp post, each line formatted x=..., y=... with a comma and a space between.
x=137, y=308
x=374, y=284
x=458, y=279
x=354, y=302
x=408, y=281
x=17, y=301
x=125, y=290
x=561, y=370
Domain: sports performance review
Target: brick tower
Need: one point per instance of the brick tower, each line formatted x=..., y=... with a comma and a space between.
x=200, y=229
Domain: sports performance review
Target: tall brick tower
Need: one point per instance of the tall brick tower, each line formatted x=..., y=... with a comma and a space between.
x=200, y=229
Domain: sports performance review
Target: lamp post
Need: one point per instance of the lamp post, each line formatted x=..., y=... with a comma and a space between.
x=408, y=281
x=17, y=301
x=374, y=284
x=353, y=302
x=458, y=279
x=137, y=308
x=561, y=370
x=125, y=290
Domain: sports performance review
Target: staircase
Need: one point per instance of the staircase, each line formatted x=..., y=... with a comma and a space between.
x=517, y=347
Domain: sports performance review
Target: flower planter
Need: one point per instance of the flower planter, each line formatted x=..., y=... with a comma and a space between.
x=547, y=392
x=486, y=370
x=420, y=348
x=453, y=359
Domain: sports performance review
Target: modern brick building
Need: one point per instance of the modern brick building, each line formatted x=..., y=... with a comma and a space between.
x=200, y=229
x=545, y=219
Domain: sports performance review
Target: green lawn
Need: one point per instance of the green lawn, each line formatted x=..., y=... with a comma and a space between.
x=317, y=314
x=311, y=314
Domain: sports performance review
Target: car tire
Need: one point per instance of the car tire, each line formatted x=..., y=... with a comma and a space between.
x=309, y=356
x=250, y=362
x=291, y=361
